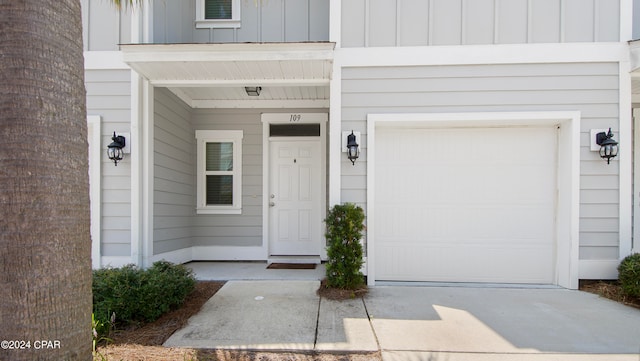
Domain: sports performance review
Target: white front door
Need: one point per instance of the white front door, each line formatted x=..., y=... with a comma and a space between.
x=295, y=198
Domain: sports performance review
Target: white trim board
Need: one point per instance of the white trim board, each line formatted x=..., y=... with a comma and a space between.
x=95, y=186
x=482, y=54
x=568, y=207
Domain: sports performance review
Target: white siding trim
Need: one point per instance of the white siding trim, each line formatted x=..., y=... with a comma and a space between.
x=567, y=225
x=95, y=186
x=253, y=104
x=137, y=185
x=636, y=181
x=625, y=156
x=147, y=167
x=335, y=127
x=104, y=60
x=483, y=54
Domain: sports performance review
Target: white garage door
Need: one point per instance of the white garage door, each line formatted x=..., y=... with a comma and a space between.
x=465, y=205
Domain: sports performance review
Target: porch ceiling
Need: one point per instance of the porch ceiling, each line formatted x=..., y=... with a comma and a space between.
x=214, y=75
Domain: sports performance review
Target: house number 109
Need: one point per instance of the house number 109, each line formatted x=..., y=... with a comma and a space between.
x=295, y=117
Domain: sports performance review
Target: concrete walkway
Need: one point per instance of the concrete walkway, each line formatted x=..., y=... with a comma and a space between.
x=417, y=323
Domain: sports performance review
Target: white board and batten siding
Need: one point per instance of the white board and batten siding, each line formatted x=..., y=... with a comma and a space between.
x=462, y=22
x=103, y=26
x=264, y=21
x=108, y=96
x=589, y=88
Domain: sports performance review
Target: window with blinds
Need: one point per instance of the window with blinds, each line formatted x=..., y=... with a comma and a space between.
x=218, y=9
x=218, y=13
x=219, y=171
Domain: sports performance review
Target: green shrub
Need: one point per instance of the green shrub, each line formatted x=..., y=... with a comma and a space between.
x=344, y=231
x=629, y=275
x=136, y=295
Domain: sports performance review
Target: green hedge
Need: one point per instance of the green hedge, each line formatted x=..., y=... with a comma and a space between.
x=344, y=231
x=137, y=295
x=629, y=275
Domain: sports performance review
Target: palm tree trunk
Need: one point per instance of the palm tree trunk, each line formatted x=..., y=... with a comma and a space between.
x=45, y=247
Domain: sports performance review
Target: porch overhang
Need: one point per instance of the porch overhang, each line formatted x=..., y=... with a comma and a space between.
x=295, y=75
x=635, y=70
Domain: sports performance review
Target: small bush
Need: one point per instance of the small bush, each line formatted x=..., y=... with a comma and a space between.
x=629, y=275
x=344, y=231
x=136, y=295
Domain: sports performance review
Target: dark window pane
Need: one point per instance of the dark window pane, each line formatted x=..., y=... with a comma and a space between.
x=219, y=190
x=294, y=130
x=217, y=9
x=219, y=156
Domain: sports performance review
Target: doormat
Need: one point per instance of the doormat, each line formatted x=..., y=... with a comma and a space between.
x=292, y=266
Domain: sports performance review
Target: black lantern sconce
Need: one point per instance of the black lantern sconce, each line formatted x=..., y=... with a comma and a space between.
x=115, y=150
x=608, y=146
x=353, y=151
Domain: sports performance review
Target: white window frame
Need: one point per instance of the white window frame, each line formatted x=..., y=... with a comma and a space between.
x=203, y=23
x=218, y=136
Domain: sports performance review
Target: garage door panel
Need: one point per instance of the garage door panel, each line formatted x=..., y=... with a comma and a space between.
x=483, y=263
x=465, y=204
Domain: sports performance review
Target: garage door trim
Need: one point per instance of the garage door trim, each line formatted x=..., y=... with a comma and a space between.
x=568, y=172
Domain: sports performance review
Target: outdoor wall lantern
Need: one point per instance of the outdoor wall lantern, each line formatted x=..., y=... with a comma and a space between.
x=608, y=146
x=253, y=91
x=114, y=150
x=353, y=152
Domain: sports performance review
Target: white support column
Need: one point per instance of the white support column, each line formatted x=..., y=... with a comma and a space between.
x=147, y=167
x=335, y=134
x=626, y=160
x=636, y=181
x=335, y=105
x=134, y=143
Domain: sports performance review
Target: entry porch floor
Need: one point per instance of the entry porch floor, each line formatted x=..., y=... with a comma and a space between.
x=245, y=271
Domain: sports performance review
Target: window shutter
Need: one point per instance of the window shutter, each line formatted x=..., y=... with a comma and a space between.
x=218, y=9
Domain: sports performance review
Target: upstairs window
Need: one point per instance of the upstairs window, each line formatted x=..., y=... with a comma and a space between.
x=219, y=172
x=217, y=13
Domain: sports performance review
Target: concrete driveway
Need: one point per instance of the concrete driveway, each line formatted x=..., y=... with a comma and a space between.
x=417, y=323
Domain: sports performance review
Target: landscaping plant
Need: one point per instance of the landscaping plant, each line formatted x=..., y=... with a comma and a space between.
x=137, y=295
x=629, y=275
x=344, y=251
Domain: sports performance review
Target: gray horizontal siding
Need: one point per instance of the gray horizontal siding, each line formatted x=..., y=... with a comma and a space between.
x=108, y=95
x=462, y=22
x=244, y=229
x=104, y=27
x=266, y=21
x=174, y=174
x=591, y=89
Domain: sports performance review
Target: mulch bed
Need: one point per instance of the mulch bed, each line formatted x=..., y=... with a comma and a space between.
x=340, y=294
x=610, y=290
